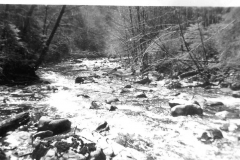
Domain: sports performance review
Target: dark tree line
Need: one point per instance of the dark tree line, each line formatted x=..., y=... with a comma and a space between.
x=167, y=39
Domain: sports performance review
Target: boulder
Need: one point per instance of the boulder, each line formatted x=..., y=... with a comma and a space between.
x=103, y=127
x=224, y=85
x=113, y=108
x=144, y=81
x=235, y=86
x=127, y=90
x=128, y=86
x=19, y=71
x=95, y=105
x=153, y=84
x=140, y=95
x=236, y=94
x=214, y=103
x=210, y=135
x=56, y=126
x=80, y=80
x=83, y=95
x=184, y=110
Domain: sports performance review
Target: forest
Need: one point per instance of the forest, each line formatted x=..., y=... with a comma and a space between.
x=170, y=40
x=119, y=82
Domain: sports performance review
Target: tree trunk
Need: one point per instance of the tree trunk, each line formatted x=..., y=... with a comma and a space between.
x=14, y=122
x=4, y=33
x=27, y=20
x=48, y=42
x=134, y=52
x=186, y=45
x=45, y=21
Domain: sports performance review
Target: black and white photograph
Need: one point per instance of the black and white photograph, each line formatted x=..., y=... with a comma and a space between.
x=120, y=80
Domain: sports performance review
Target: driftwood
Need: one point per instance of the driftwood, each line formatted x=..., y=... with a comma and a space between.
x=188, y=74
x=14, y=122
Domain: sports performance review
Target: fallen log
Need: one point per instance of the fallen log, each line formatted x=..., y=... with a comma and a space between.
x=188, y=74
x=14, y=122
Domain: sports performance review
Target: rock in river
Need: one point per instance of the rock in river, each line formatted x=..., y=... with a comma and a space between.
x=56, y=126
x=184, y=110
x=210, y=135
x=236, y=94
x=235, y=86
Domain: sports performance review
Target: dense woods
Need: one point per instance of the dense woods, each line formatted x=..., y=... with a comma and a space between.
x=170, y=40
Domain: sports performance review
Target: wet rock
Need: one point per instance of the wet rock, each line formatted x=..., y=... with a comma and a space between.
x=113, y=108
x=235, y=86
x=154, y=84
x=140, y=95
x=128, y=86
x=184, y=110
x=174, y=85
x=126, y=90
x=144, y=81
x=214, y=103
x=103, y=127
x=56, y=126
x=112, y=99
x=226, y=114
x=78, y=60
x=59, y=125
x=112, y=71
x=224, y=85
x=95, y=105
x=236, y=94
x=231, y=127
x=83, y=95
x=43, y=134
x=176, y=94
x=210, y=135
x=80, y=80
x=19, y=71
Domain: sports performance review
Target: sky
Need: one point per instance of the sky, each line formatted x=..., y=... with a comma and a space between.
x=213, y=3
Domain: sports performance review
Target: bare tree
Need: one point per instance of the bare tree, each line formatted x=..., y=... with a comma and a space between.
x=48, y=42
